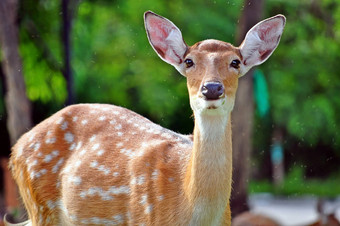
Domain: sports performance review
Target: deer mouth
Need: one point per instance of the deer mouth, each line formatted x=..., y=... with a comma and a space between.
x=213, y=104
x=201, y=104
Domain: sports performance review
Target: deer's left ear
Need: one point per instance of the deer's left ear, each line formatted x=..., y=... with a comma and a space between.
x=166, y=39
x=261, y=41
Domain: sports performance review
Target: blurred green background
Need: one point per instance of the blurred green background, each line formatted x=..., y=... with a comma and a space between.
x=112, y=62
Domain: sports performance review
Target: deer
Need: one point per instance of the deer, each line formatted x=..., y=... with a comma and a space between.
x=100, y=164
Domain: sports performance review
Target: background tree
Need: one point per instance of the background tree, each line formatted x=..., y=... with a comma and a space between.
x=17, y=105
x=242, y=115
x=68, y=8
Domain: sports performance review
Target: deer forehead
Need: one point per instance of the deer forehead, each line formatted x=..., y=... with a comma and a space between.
x=212, y=59
x=216, y=47
x=213, y=54
x=212, y=45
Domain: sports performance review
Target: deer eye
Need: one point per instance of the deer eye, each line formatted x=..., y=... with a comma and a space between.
x=189, y=63
x=235, y=64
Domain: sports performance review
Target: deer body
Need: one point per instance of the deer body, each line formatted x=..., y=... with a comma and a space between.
x=145, y=185
x=93, y=164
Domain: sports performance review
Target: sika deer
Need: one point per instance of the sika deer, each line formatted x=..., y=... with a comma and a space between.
x=105, y=165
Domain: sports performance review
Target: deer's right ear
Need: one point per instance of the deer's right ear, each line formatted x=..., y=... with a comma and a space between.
x=166, y=39
x=261, y=41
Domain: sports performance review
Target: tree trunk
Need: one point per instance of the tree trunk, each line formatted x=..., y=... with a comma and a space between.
x=65, y=34
x=68, y=8
x=242, y=116
x=17, y=105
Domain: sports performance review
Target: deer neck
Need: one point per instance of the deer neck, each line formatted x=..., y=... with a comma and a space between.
x=208, y=174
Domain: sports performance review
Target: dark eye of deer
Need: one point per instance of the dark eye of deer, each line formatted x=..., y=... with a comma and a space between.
x=189, y=63
x=235, y=64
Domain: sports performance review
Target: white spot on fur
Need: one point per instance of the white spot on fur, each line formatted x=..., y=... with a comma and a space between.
x=78, y=163
x=36, y=146
x=82, y=152
x=102, y=118
x=30, y=165
x=142, y=128
x=69, y=137
x=20, y=150
x=103, y=169
x=48, y=158
x=128, y=152
x=133, y=181
x=32, y=135
x=38, y=174
x=75, y=180
x=123, y=117
x=52, y=205
x=75, y=118
x=105, y=194
x=72, y=147
x=58, y=184
x=67, y=169
x=64, y=126
x=166, y=135
x=51, y=140
x=154, y=174
x=148, y=209
x=161, y=198
x=100, y=152
x=79, y=145
x=143, y=199
x=140, y=180
x=57, y=165
x=94, y=164
x=119, y=190
x=32, y=174
x=95, y=147
x=84, y=122
x=92, y=138
x=119, y=218
x=60, y=120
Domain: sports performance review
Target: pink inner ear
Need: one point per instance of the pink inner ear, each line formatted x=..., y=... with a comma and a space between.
x=268, y=31
x=162, y=32
x=166, y=39
x=158, y=32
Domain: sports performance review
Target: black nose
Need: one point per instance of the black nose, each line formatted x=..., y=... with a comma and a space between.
x=212, y=90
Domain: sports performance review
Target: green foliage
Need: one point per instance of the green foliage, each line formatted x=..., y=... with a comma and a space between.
x=303, y=73
x=296, y=184
x=40, y=51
